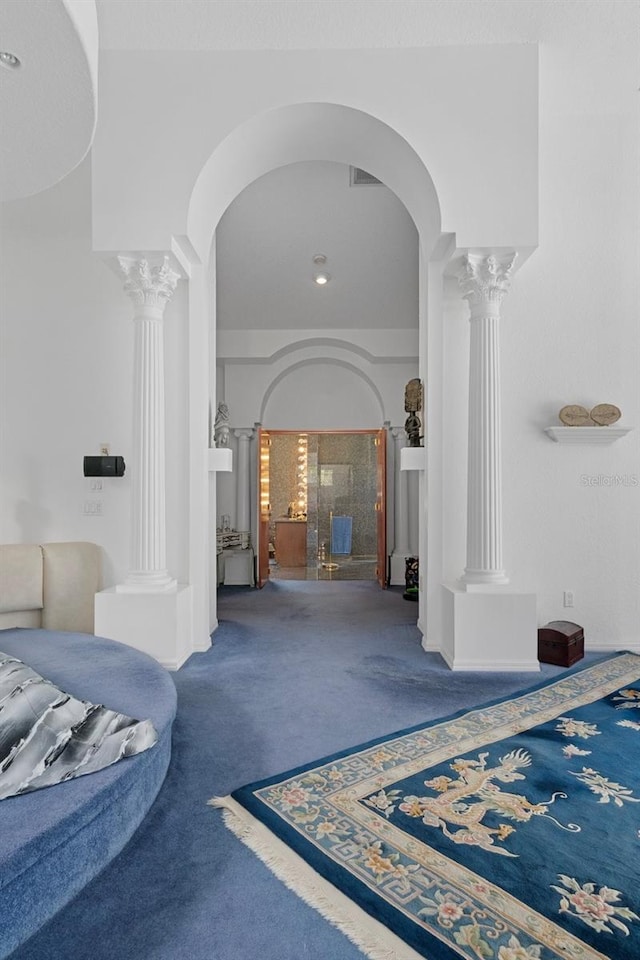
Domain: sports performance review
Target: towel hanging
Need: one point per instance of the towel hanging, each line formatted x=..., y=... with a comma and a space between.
x=341, y=528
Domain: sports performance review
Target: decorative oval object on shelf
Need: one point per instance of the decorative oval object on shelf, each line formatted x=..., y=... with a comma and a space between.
x=574, y=415
x=605, y=413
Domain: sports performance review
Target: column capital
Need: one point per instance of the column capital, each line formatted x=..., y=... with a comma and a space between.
x=150, y=284
x=398, y=433
x=244, y=433
x=484, y=280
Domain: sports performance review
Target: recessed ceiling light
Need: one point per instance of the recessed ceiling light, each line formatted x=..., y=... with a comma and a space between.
x=9, y=59
x=321, y=279
x=319, y=258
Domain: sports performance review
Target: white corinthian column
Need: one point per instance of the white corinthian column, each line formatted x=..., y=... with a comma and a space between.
x=243, y=480
x=484, y=282
x=150, y=287
x=488, y=625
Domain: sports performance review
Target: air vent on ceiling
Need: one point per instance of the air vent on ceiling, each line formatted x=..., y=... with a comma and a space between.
x=360, y=178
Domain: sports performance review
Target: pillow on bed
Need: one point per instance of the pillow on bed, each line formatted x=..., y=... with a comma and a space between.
x=48, y=736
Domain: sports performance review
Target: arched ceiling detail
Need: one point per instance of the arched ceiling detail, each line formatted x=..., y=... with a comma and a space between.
x=306, y=132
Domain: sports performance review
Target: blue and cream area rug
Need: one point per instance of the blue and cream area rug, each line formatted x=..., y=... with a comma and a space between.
x=511, y=831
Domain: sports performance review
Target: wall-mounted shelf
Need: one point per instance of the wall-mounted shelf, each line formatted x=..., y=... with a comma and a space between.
x=220, y=459
x=586, y=434
x=413, y=458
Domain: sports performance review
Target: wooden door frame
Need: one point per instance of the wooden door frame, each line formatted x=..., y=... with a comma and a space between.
x=262, y=526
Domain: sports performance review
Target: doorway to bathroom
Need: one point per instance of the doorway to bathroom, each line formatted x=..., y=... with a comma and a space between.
x=322, y=505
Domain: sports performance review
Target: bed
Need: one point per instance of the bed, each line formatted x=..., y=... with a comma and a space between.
x=53, y=841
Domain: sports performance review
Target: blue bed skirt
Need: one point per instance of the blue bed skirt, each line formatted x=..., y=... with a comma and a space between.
x=54, y=841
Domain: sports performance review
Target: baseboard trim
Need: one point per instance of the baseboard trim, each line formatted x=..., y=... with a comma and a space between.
x=496, y=666
x=203, y=646
x=429, y=647
x=174, y=665
x=601, y=647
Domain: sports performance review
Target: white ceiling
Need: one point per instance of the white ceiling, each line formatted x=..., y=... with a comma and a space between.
x=341, y=24
x=48, y=104
x=594, y=44
x=266, y=241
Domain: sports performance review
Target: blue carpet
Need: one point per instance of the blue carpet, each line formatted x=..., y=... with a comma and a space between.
x=298, y=670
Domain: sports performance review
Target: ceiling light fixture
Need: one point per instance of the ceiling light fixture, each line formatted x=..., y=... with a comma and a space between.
x=322, y=277
x=9, y=59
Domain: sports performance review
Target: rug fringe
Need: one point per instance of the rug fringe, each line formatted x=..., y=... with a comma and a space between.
x=370, y=936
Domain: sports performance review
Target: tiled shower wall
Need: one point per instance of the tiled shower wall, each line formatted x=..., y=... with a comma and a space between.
x=341, y=472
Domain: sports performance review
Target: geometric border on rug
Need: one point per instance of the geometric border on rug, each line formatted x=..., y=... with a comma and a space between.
x=509, y=831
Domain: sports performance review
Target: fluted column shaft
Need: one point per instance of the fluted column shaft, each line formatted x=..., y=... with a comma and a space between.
x=243, y=480
x=401, y=504
x=485, y=282
x=150, y=288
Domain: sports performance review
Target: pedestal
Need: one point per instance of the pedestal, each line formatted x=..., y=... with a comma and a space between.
x=220, y=459
x=413, y=458
x=156, y=623
x=397, y=569
x=489, y=630
x=401, y=531
x=237, y=567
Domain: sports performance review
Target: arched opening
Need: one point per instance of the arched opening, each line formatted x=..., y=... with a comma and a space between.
x=307, y=133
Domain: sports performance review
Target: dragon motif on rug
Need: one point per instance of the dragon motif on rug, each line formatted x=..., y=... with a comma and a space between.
x=451, y=807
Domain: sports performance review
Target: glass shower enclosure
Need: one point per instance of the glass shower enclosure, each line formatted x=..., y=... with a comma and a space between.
x=322, y=504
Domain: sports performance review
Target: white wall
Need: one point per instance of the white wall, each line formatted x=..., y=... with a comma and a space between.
x=66, y=378
x=66, y=381
x=470, y=113
x=570, y=334
x=570, y=331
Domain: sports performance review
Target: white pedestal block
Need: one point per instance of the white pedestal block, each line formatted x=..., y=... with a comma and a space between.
x=489, y=630
x=158, y=624
x=220, y=459
x=413, y=458
x=238, y=567
x=398, y=576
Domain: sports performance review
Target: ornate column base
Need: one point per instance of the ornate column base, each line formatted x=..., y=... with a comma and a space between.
x=147, y=582
x=158, y=624
x=489, y=629
x=479, y=580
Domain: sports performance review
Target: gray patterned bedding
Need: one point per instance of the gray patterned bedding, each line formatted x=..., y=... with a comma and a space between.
x=48, y=736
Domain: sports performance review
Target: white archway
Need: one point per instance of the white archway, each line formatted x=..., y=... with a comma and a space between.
x=291, y=134
x=306, y=132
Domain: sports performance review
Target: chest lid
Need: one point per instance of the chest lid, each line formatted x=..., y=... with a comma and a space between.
x=564, y=627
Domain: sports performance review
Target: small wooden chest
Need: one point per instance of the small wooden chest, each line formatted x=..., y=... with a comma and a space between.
x=561, y=642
